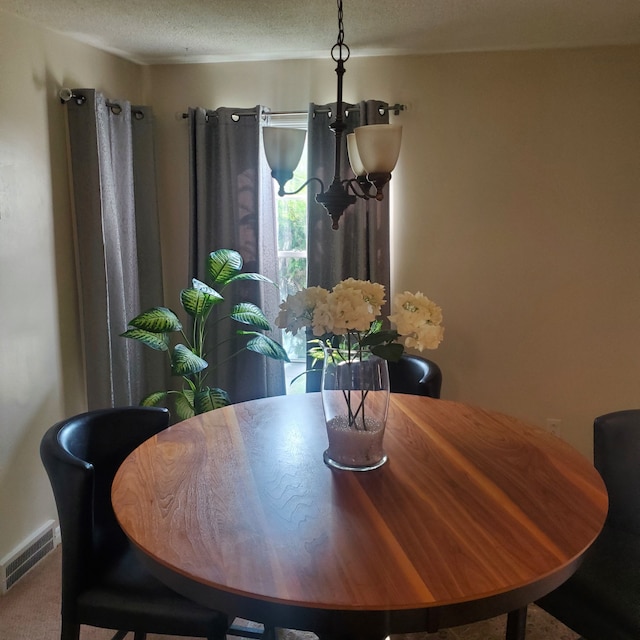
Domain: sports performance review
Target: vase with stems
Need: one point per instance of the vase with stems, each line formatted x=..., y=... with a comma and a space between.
x=355, y=401
x=353, y=345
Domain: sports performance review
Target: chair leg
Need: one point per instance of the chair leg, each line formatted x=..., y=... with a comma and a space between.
x=70, y=631
x=220, y=631
x=120, y=635
x=139, y=635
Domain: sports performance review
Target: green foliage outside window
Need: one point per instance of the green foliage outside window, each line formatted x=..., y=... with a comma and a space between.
x=292, y=237
x=292, y=224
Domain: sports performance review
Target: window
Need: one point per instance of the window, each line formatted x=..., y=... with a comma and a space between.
x=291, y=214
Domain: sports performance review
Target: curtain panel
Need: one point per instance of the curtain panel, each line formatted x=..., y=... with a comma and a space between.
x=232, y=207
x=117, y=243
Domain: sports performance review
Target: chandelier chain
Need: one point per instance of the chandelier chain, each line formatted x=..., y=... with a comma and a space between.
x=340, y=23
x=342, y=49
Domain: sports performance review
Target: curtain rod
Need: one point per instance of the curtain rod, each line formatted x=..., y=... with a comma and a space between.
x=396, y=108
x=66, y=95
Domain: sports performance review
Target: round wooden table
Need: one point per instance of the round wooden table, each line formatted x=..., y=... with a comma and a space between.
x=475, y=514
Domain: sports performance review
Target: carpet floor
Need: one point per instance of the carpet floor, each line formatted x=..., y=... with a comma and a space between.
x=30, y=610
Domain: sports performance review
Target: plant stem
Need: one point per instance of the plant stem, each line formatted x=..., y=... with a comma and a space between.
x=233, y=355
x=356, y=359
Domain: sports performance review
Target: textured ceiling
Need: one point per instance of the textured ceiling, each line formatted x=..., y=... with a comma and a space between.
x=170, y=31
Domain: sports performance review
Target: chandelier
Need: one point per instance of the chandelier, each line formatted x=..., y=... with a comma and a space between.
x=372, y=149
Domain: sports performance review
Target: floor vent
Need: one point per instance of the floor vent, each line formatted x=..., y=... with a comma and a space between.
x=17, y=563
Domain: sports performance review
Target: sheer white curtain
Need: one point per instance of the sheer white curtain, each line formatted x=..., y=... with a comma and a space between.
x=117, y=243
x=232, y=207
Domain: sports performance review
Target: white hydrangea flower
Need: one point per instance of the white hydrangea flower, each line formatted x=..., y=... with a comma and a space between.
x=297, y=311
x=371, y=292
x=418, y=319
x=350, y=310
x=426, y=337
x=322, y=321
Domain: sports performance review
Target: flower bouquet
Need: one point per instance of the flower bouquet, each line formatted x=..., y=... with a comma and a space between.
x=354, y=348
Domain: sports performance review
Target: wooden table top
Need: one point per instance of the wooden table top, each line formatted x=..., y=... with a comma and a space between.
x=472, y=506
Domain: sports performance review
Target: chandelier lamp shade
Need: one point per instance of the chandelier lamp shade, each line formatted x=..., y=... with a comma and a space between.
x=283, y=148
x=373, y=150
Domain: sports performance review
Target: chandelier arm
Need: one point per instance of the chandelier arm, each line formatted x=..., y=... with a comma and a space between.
x=282, y=192
x=360, y=187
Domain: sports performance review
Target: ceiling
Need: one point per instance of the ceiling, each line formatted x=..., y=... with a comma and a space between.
x=171, y=31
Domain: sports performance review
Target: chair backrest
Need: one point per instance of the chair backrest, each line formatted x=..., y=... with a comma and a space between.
x=81, y=456
x=416, y=376
x=616, y=455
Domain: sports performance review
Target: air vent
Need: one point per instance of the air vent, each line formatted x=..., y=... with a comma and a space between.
x=17, y=563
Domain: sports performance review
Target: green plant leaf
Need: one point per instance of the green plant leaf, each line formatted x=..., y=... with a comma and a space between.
x=267, y=347
x=210, y=399
x=391, y=352
x=198, y=302
x=157, y=341
x=223, y=265
x=154, y=399
x=184, y=362
x=157, y=320
x=250, y=276
x=201, y=286
x=248, y=313
x=380, y=337
x=184, y=405
x=376, y=326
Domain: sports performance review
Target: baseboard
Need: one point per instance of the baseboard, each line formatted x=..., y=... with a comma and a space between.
x=27, y=554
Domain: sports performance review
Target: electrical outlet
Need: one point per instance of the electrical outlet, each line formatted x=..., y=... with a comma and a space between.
x=553, y=425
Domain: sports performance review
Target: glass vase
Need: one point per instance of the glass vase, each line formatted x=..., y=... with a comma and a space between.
x=355, y=401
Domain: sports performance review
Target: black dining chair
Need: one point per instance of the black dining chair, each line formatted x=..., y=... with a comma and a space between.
x=415, y=375
x=103, y=583
x=411, y=374
x=601, y=601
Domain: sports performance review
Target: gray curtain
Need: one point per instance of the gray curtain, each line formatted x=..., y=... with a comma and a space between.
x=117, y=244
x=232, y=207
x=360, y=248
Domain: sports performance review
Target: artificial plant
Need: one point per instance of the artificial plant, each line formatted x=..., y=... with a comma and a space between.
x=187, y=358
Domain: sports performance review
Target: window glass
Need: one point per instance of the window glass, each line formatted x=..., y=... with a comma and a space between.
x=291, y=212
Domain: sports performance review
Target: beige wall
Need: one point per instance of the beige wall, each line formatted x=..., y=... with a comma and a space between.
x=518, y=208
x=515, y=206
x=40, y=375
